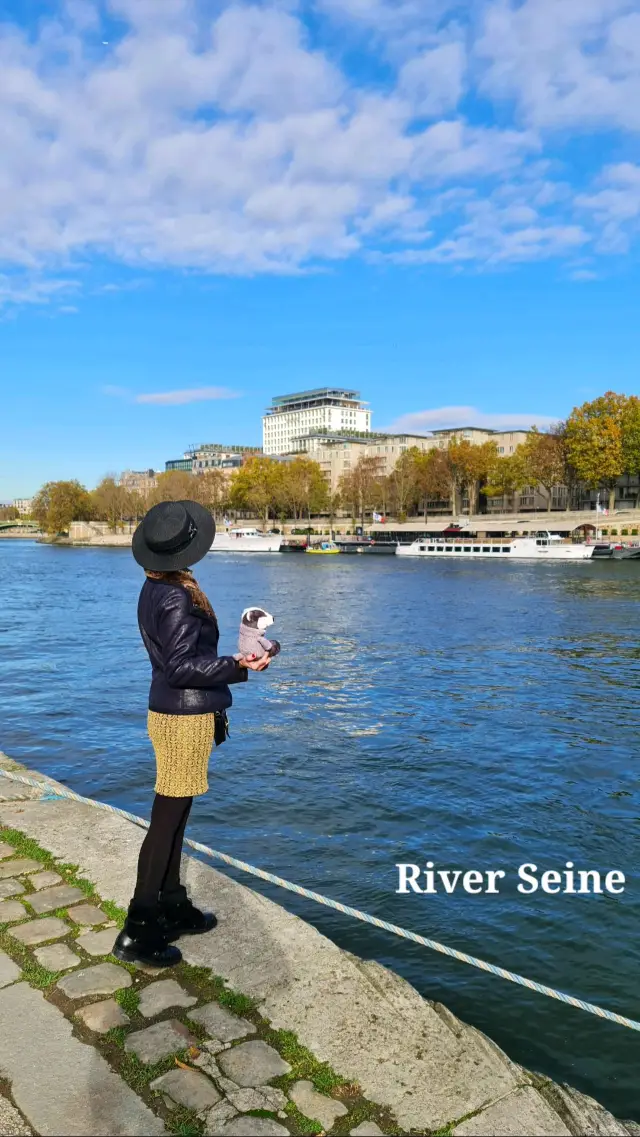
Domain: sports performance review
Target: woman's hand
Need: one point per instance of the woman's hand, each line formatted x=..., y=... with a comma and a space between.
x=254, y=664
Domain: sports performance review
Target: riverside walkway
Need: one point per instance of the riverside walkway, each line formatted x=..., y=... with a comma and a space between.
x=267, y=1027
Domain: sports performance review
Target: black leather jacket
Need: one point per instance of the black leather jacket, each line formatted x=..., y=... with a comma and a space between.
x=188, y=676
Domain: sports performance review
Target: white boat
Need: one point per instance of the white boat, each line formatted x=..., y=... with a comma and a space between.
x=543, y=546
x=245, y=541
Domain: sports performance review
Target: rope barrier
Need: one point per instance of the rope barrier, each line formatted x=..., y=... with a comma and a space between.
x=52, y=790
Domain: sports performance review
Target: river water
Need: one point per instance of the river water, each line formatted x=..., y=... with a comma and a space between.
x=478, y=715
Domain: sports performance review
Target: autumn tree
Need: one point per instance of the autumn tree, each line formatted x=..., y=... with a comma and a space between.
x=212, y=489
x=402, y=482
x=432, y=476
x=173, y=485
x=594, y=442
x=302, y=487
x=360, y=487
x=8, y=513
x=542, y=461
x=57, y=504
x=110, y=502
x=255, y=486
x=468, y=467
x=631, y=440
x=505, y=476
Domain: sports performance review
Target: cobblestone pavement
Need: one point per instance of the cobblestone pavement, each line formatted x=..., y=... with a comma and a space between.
x=98, y=1047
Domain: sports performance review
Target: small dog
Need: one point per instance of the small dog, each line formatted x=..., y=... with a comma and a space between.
x=251, y=641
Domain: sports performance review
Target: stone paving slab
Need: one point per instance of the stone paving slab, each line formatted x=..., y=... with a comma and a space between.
x=63, y=1085
x=60, y=896
x=12, y=910
x=38, y=931
x=252, y=1063
x=18, y=867
x=187, y=1088
x=9, y=971
x=5, y=850
x=57, y=957
x=103, y=1016
x=44, y=879
x=317, y=1106
x=10, y=887
x=98, y=943
x=221, y=1023
x=11, y=1123
x=100, y=979
x=160, y=996
x=518, y=1115
x=159, y=1041
x=366, y=1129
x=252, y=1127
x=252, y=1098
x=87, y=914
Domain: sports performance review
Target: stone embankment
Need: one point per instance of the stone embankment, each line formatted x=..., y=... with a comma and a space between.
x=267, y=1027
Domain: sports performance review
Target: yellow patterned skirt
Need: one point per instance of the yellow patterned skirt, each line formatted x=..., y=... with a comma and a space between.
x=183, y=745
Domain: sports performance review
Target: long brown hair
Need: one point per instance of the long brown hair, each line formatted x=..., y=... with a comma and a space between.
x=185, y=579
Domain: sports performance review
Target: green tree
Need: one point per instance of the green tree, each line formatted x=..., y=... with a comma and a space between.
x=8, y=513
x=505, y=476
x=542, y=460
x=57, y=504
x=594, y=442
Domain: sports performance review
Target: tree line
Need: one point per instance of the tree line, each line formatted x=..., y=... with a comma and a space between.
x=597, y=444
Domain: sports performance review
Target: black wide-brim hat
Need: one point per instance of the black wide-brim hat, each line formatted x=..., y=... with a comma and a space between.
x=173, y=535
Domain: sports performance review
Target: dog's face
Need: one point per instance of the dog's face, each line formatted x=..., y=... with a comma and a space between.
x=257, y=618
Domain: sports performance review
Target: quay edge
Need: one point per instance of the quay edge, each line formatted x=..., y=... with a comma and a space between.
x=430, y=1070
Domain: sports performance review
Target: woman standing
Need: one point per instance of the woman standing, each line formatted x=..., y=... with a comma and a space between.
x=188, y=702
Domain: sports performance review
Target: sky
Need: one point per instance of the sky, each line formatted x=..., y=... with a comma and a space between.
x=204, y=204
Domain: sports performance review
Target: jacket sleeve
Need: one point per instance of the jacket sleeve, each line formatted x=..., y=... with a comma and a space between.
x=178, y=632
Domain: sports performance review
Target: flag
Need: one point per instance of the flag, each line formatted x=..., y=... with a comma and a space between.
x=377, y=518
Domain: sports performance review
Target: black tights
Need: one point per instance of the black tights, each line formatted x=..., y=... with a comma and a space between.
x=159, y=861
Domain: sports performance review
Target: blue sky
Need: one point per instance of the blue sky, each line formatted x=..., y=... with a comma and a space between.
x=203, y=205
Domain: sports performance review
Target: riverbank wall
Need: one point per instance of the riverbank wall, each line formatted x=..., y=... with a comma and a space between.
x=360, y=1050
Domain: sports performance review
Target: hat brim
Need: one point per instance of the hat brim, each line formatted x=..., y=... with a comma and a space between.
x=197, y=548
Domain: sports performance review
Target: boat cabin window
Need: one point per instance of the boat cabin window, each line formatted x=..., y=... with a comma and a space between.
x=448, y=548
x=495, y=549
x=431, y=548
x=476, y=548
x=506, y=549
x=542, y=541
x=423, y=548
x=439, y=549
x=486, y=548
x=457, y=548
x=467, y=549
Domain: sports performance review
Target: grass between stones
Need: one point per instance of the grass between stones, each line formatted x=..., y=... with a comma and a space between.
x=198, y=981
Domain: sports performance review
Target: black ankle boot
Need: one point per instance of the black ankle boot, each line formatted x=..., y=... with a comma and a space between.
x=180, y=917
x=144, y=939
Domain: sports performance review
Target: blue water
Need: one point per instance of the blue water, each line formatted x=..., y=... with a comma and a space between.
x=479, y=715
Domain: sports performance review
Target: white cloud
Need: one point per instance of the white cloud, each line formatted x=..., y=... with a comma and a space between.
x=171, y=398
x=441, y=418
x=188, y=395
x=234, y=143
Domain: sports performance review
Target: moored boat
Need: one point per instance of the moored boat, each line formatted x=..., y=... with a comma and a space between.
x=326, y=547
x=245, y=541
x=543, y=546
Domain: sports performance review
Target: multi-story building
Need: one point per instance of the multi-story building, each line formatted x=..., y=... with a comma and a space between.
x=213, y=456
x=507, y=441
x=139, y=481
x=291, y=419
x=338, y=455
x=23, y=505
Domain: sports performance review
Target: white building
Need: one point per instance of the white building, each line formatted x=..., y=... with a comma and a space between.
x=292, y=418
x=23, y=505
